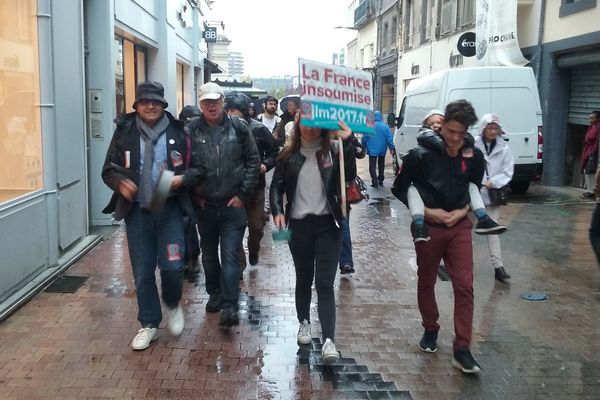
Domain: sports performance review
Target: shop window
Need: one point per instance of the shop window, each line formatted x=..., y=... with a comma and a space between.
x=21, y=167
x=130, y=69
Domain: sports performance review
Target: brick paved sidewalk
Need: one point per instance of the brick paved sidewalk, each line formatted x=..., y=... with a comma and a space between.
x=77, y=346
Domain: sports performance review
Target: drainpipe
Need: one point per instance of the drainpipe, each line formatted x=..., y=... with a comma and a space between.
x=538, y=65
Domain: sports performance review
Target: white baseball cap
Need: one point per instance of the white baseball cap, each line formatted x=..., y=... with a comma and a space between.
x=211, y=91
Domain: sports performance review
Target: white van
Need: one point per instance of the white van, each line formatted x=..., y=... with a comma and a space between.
x=509, y=92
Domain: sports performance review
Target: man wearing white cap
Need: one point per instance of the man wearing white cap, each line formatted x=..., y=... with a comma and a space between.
x=225, y=164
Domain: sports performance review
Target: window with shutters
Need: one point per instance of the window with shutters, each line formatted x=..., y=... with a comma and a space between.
x=394, y=33
x=426, y=20
x=449, y=12
x=467, y=12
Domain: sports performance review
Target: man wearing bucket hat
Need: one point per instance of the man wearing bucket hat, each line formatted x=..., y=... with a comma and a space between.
x=146, y=143
x=225, y=165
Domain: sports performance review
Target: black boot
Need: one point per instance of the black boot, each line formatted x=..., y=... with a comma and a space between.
x=501, y=275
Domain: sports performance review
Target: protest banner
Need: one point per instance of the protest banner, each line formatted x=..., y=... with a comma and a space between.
x=331, y=93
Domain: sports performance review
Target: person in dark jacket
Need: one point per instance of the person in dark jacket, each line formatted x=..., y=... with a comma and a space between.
x=441, y=174
x=308, y=175
x=346, y=259
x=225, y=165
x=289, y=115
x=192, y=244
x=377, y=144
x=237, y=105
x=145, y=143
x=589, y=154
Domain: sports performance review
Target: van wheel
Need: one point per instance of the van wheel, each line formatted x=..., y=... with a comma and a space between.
x=519, y=187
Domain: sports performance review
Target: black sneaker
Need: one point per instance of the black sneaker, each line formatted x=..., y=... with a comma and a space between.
x=501, y=275
x=428, y=342
x=420, y=233
x=487, y=226
x=253, y=259
x=229, y=317
x=213, y=304
x=463, y=360
x=374, y=185
x=346, y=269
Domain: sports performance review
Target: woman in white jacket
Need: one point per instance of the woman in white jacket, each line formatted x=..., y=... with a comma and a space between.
x=499, y=171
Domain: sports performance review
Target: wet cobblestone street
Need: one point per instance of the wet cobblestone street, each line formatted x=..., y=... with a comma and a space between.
x=77, y=346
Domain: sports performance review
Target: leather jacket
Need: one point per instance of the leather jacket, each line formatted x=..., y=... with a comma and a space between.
x=267, y=148
x=442, y=181
x=226, y=169
x=285, y=180
x=123, y=162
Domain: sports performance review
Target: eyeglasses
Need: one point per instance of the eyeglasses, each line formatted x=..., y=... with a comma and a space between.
x=148, y=102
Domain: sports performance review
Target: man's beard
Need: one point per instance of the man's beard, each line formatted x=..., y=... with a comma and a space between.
x=270, y=111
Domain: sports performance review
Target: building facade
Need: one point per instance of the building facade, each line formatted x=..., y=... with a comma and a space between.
x=362, y=51
x=388, y=40
x=69, y=68
x=568, y=72
x=561, y=40
x=219, y=54
x=236, y=65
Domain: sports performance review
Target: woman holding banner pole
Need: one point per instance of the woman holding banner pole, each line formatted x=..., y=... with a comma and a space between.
x=308, y=174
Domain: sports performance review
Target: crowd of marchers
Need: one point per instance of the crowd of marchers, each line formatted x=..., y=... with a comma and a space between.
x=191, y=185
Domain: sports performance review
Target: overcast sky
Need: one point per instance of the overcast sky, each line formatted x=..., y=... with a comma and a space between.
x=272, y=34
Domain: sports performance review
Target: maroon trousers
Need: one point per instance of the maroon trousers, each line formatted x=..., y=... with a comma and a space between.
x=455, y=247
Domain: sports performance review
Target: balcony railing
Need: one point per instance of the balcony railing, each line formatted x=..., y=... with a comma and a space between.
x=362, y=13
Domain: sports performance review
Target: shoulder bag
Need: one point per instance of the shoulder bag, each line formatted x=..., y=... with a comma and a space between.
x=498, y=197
x=356, y=191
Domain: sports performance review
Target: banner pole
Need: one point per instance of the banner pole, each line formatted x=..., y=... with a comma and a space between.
x=342, y=177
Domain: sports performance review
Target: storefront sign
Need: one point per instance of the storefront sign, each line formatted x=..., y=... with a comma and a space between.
x=331, y=93
x=466, y=44
x=210, y=34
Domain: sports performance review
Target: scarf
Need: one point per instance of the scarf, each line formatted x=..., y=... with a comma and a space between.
x=149, y=135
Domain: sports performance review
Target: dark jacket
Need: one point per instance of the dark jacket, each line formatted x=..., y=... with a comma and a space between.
x=126, y=138
x=286, y=173
x=442, y=181
x=267, y=148
x=226, y=169
x=279, y=131
x=359, y=154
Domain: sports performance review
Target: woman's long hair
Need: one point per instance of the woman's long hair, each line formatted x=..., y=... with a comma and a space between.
x=295, y=142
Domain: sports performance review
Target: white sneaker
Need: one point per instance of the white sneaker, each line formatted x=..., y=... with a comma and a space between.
x=304, y=335
x=144, y=337
x=328, y=352
x=175, y=320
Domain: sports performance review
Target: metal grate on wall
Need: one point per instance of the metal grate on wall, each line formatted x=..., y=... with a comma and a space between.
x=585, y=94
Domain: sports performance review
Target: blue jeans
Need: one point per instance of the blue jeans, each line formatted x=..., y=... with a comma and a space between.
x=346, y=253
x=156, y=238
x=224, y=226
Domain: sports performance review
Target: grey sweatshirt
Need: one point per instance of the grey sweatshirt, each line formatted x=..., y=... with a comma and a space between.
x=310, y=195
